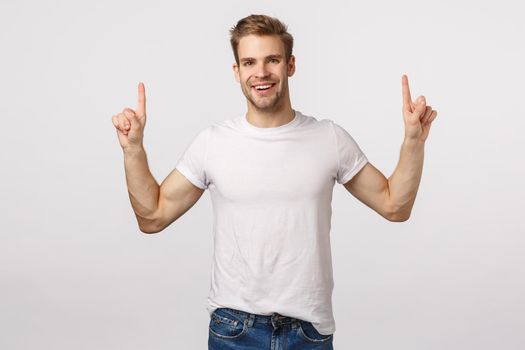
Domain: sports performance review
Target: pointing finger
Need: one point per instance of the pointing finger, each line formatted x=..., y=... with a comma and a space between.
x=407, y=99
x=141, y=106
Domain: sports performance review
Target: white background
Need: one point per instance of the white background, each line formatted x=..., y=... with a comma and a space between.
x=75, y=271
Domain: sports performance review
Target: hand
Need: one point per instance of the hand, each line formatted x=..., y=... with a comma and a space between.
x=417, y=115
x=130, y=123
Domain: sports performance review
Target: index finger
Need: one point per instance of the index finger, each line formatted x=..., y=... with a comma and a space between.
x=141, y=107
x=407, y=99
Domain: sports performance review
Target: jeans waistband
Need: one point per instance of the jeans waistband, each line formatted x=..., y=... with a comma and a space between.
x=274, y=319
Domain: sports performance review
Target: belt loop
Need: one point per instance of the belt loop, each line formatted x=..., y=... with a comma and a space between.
x=274, y=319
x=251, y=320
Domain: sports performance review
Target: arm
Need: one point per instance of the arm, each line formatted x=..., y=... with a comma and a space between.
x=393, y=198
x=370, y=187
x=404, y=182
x=156, y=207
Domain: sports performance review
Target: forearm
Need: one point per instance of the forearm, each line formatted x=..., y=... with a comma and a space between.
x=143, y=189
x=404, y=181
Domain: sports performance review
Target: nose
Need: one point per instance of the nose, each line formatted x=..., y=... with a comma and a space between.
x=262, y=71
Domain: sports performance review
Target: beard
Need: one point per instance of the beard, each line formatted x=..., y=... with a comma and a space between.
x=268, y=103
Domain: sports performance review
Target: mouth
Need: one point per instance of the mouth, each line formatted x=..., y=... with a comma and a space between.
x=263, y=89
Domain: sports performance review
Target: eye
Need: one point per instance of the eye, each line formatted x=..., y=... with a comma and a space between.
x=274, y=60
x=247, y=63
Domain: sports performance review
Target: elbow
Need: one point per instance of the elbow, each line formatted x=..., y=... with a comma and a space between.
x=398, y=216
x=394, y=211
x=149, y=226
x=394, y=214
x=149, y=230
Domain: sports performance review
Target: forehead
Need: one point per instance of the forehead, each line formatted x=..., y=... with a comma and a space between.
x=260, y=46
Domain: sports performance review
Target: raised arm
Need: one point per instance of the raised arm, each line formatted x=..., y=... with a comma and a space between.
x=393, y=198
x=176, y=196
x=155, y=206
x=370, y=187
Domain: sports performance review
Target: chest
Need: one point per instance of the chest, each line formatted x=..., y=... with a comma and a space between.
x=261, y=170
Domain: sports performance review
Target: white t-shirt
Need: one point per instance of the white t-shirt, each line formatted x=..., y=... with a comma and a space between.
x=271, y=191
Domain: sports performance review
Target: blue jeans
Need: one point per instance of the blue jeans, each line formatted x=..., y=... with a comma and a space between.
x=232, y=329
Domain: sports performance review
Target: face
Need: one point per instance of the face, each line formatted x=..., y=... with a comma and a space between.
x=263, y=71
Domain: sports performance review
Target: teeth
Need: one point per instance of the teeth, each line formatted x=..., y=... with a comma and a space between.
x=262, y=87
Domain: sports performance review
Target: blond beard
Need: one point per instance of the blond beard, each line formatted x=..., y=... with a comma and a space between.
x=278, y=100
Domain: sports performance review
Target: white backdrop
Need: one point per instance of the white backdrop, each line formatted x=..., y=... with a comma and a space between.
x=75, y=271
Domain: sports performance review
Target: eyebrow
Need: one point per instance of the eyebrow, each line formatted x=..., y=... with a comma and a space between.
x=244, y=59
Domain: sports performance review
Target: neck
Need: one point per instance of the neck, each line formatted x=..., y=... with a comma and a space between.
x=275, y=117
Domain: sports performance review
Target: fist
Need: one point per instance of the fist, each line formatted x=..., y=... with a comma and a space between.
x=130, y=123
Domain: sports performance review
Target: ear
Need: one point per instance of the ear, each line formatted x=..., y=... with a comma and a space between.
x=236, y=72
x=291, y=66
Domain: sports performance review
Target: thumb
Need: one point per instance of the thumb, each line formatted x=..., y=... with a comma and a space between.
x=420, y=106
x=134, y=121
x=132, y=117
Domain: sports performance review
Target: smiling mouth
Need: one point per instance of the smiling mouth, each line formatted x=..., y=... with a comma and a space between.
x=263, y=88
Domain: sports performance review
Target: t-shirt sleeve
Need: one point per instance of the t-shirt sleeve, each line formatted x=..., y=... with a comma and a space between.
x=351, y=157
x=192, y=163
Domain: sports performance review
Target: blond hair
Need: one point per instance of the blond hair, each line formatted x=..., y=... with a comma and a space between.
x=260, y=25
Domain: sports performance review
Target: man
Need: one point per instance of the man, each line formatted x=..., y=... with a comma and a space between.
x=271, y=174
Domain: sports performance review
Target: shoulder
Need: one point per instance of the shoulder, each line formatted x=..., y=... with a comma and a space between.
x=310, y=121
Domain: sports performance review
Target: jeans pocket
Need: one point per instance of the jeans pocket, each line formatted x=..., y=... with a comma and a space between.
x=227, y=326
x=308, y=332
